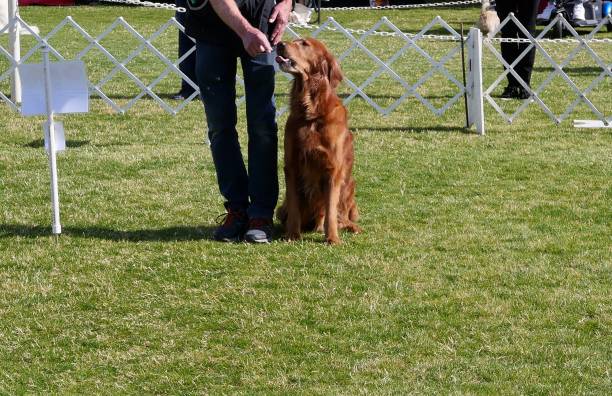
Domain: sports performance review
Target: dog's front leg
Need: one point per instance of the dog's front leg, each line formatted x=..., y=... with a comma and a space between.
x=320, y=221
x=332, y=197
x=294, y=218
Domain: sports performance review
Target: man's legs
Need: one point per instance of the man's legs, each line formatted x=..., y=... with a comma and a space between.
x=216, y=74
x=508, y=50
x=263, y=145
x=188, y=65
x=263, y=134
x=526, y=12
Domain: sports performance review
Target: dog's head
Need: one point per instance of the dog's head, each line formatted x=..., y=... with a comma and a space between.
x=308, y=57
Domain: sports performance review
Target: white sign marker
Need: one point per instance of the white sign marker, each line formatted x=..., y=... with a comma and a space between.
x=50, y=88
x=69, y=90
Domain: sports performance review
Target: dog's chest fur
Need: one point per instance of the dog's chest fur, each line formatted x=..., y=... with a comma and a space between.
x=315, y=145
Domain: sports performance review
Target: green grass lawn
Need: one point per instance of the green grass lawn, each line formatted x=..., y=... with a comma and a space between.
x=484, y=266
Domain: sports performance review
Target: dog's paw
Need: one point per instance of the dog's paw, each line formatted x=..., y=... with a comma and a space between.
x=293, y=236
x=354, y=228
x=333, y=240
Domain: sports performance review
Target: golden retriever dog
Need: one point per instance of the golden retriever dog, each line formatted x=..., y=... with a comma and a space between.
x=320, y=189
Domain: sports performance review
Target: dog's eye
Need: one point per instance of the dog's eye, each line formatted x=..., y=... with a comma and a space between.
x=305, y=43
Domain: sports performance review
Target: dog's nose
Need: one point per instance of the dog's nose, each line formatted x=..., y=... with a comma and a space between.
x=280, y=46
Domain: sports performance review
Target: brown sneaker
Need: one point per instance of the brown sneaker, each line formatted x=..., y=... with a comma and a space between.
x=233, y=227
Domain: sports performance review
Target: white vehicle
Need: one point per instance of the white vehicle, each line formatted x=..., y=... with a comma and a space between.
x=577, y=13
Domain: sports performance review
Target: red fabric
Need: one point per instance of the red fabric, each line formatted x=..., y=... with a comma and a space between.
x=542, y=5
x=46, y=2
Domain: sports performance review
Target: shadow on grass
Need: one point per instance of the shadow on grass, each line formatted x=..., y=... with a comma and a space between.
x=345, y=95
x=39, y=143
x=342, y=95
x=127, y=98
x=169, y=234
x=414, y=129
x=578, y=70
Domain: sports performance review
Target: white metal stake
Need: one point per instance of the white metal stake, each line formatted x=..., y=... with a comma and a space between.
x=15, y=49
x=56, y=226
x=476, y=102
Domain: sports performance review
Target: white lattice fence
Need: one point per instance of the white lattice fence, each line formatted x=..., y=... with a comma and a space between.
x=562, y=66
x=120, y=65
x=406, y=64
x=351, y=44
x=384, y=66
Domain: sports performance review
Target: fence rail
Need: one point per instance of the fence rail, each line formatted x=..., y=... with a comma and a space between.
x=485, y=65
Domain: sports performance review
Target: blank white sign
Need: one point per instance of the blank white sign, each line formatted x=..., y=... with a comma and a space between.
x=591, y=124
x=69, y=88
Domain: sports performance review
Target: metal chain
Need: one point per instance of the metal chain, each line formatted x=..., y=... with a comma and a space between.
x=547, y=40
x=376, y=33
x=172, y=7
x=391, y=7
x=453, y=38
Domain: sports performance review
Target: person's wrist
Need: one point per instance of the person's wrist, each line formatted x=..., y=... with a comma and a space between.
x=245, y=30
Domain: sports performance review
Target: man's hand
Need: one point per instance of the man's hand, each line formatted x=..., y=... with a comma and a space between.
x=255, y=42
x=280, y=18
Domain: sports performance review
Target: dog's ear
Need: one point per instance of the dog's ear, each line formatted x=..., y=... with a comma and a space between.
x=334, y=73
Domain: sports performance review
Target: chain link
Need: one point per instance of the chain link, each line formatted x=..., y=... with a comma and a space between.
x=547, y=40
x=172, y=7
x=453, y=38
x=392, y=7
x=377, y=33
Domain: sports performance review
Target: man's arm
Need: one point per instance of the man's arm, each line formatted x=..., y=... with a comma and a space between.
x=254, y=41
x=280, y=15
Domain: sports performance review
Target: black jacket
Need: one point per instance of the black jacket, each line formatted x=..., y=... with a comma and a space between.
x=204, y=25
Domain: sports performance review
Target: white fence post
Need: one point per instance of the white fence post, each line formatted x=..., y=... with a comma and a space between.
x=55, y=209
x=15, y=49
x=474, y=83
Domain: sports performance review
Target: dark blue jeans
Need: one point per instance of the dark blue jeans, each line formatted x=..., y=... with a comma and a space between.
x=187, y=66
x=255, y=190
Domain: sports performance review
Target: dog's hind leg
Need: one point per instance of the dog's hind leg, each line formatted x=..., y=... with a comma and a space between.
x=353, y=213
x=344, y=223
x=351, y=227
x=349, y=198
